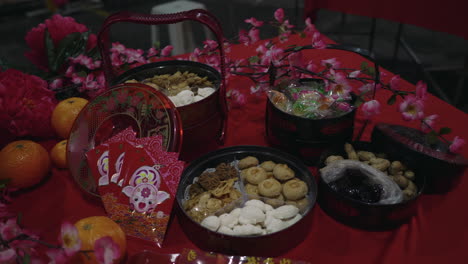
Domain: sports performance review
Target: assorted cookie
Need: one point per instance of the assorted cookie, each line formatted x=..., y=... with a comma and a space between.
x=275, y=197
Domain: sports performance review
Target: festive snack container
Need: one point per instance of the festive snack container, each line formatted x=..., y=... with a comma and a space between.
x=252, y=231
x=204, y=121
x=443, y=169
x=354, y=206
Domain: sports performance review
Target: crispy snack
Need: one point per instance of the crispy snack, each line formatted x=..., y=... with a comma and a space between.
x=172, y=84
x=226, y=171
x=195, y=189
x=209, y=180
x=224, y=187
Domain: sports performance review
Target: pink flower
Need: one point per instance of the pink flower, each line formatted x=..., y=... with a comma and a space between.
x=295, y=60
x=166, y=51
x=395, y=83
x=254, y=35
x=134, y=55
x=69, y=239
x=272, y=55
x=457, y=145
x=210, y=44
x=421, y=90
x=58, y=27
x=25, y=104
x=279, y=15
x=238, y=99
x=56, y=84
x=195, y=55
x=9, y=229
x=7, y=255
x=152, y=52
x=311, y=66
x=371, y=108
x=310, y=28
x=354, y=74
x=331, y=63
x=254, y=22
x=244, y=37
x=262, y=49
x=340, y=88
x=317, y=41
x=70, y=71
x=57, y=256
x=366, y=88
x=428, y=122
x=84, y=61
x=106, y=250
x=412, y=108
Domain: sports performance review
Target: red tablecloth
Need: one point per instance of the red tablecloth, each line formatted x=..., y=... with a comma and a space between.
x=437, y=233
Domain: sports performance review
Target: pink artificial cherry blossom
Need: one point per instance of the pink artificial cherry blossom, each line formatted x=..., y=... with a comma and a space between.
x=412, y=108
x=152, y=52
x=84, y=61
x=279, y=15
x=310, y=28
x=244, y=37
x=272, y=55
x=134, y=55
x=254, y=22
x=56, y=84
x=395, y=83
x=166, y=51
x=210, y=44
x=69, y=239
x=311, y=66
x=457, y=145
x=7, y=255
x=343, y=106
x=354, y=74
x=238, y=98
x=106, y=250
x=428, y=122
x=317, y=41
x=421, y=90
x=254, y=35
x=371, y=108
x=331, y=63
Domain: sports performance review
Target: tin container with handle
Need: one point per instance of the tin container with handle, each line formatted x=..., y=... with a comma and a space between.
x=204, y=122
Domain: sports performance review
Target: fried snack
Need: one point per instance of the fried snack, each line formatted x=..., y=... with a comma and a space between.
x=270, y=175
x=172, y=84
x=214, y=204
x=223, y=188
x=295, y=189
x=275, y=201
x=351, y=152
x=251, y=190
x=365, y=155
x=268, y=166
x=248, y=162
x=332, y=158
x=269, y=188
x=380, y=164
x=209, y=180
x=195, y=189
x=255, y=175
x=401, y=181
x=243, y=174
x=282, y=172
x=225, y=171
x=395, y=168
x=409, y=175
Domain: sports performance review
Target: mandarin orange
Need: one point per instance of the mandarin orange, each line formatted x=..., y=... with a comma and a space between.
x=24, y=162
x=65, y=113
x=93, y=228
x=58, y=154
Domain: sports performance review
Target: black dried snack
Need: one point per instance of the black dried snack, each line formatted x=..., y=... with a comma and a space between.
x=358, y=186
x=225, y=171
x=195, y=189
x=209, y=180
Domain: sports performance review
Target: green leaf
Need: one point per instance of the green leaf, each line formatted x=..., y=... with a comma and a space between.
x=432, y=137
x=254, y=59
x=50, y=49
x=157, y=45
x=297, y=48
x=26, y=258
x=444, y=131
x=392, y=99
x=364, y=66
x=70, y=46
x=359, y=101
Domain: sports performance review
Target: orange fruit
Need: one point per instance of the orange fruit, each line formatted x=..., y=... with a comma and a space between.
x=93, y=228
x=65, y=113
x=24, y=162
x=58, y=154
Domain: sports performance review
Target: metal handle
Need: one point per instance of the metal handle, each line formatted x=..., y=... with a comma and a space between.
x=198, y=15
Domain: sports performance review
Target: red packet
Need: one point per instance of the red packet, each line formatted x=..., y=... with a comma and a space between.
x=117, y=152
x=143, y=206
x=98, y=163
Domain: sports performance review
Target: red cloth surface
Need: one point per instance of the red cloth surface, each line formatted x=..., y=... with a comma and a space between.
x=437, y=233
x=444, y=16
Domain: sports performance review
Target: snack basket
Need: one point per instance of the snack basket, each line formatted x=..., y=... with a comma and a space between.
x=204, y=122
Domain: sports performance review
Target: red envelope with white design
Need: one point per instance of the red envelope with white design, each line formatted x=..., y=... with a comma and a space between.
x=142, y=197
